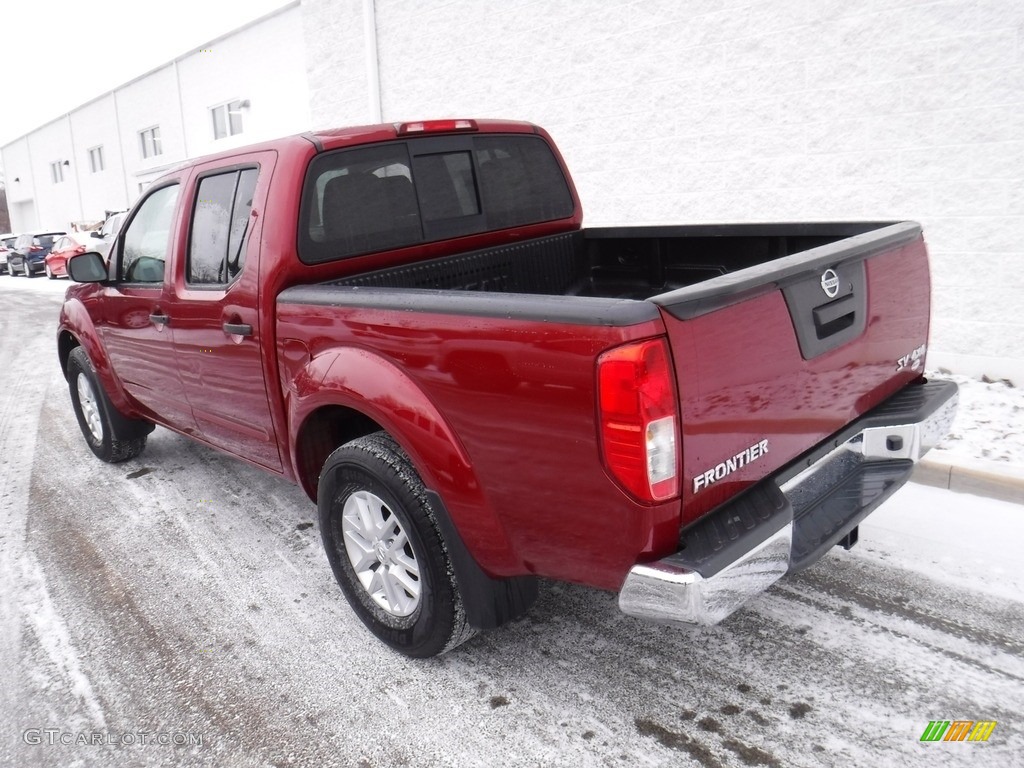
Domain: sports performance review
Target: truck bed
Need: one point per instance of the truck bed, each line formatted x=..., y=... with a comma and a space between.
x=763, y=356
x=687, y=269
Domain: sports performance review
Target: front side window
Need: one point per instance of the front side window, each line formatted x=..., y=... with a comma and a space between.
x=96, y=159
x=150, y=139
x=220, y=226
x=227, y=119
x=145, y=242
x=403, y=193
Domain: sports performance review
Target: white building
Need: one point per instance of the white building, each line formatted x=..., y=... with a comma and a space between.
x=667, y=111
x=243, y=87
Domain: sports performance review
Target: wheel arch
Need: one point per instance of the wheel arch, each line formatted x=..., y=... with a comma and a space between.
x=66, y=342
x=76, y=329
x=347, y=393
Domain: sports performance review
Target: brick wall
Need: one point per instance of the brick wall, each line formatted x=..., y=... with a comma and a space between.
x=336, y=62
x=710, y=110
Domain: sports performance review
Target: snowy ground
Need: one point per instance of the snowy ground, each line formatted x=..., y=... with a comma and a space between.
x=989, y=428
x=186, y=594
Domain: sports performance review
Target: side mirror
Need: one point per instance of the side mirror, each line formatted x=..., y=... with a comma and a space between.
x=87, y=268
x=96, y=233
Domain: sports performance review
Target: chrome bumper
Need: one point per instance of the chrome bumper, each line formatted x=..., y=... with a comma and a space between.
x=796, y=516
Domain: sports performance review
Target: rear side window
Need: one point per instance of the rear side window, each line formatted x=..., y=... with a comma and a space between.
x=220, y=227
x=403, y=193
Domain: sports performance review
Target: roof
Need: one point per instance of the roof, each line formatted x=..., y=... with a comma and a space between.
x=336, y=138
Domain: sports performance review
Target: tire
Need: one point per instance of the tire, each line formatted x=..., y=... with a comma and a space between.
x=49, y=273
x=27, y=270
x=109, y=434
x=385, y=548
x=10, y=270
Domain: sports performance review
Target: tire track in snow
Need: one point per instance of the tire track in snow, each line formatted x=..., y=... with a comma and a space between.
x=51, y=633
x=29, y=618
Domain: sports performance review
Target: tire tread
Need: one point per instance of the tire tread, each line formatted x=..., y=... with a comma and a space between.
x=400, y=471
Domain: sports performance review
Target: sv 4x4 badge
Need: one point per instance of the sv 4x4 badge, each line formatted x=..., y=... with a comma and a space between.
x=912, y=360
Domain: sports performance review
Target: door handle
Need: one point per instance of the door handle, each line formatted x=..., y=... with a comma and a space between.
x=160, y=318
x=238, y=329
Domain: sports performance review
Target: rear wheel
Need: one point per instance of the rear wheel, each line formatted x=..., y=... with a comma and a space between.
x=111, y=436
x=385, y=549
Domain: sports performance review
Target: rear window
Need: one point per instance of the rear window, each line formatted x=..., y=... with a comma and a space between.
x=403, y=193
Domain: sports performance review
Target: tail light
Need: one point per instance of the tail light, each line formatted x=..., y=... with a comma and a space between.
x=640, y=419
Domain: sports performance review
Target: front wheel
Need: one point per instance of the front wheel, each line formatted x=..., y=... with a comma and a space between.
x=49, y=273
x=96, y=414
x=385, y=549
x=27, y=270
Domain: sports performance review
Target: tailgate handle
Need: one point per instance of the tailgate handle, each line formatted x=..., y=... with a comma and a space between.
x=835, y=316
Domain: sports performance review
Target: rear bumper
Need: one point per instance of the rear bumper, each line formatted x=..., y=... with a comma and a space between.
x=788, y=521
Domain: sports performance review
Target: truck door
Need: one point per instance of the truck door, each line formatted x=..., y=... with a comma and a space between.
x=215, y=319
x=135, y=320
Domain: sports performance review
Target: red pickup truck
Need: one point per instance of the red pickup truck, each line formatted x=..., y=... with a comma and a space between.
x=411, y=322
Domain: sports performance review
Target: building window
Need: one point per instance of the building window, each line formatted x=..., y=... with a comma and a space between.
x=227, y=119
x=151, y=142
x=57, y=172
x=96, y=159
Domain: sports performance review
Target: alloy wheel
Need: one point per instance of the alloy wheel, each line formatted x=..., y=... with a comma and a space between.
x=381, y=554
x=90, y=408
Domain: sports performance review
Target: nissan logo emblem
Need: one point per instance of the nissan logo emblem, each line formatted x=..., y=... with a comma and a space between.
x=830, y=283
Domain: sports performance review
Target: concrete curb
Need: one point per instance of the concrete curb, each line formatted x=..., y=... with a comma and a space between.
x=980, y=482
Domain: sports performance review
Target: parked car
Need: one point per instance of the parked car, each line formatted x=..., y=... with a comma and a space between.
x=29, y=254
x=478, y=391
x=104, y=237
x=67, y=246
x=6, y=244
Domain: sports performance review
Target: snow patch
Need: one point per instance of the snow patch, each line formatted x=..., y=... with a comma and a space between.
x=989, y=426
x=42, y=618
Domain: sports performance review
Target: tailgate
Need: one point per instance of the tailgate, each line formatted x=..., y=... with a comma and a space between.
x=772, y=360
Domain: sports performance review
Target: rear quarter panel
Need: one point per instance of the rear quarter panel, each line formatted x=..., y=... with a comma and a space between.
x=519, y=397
